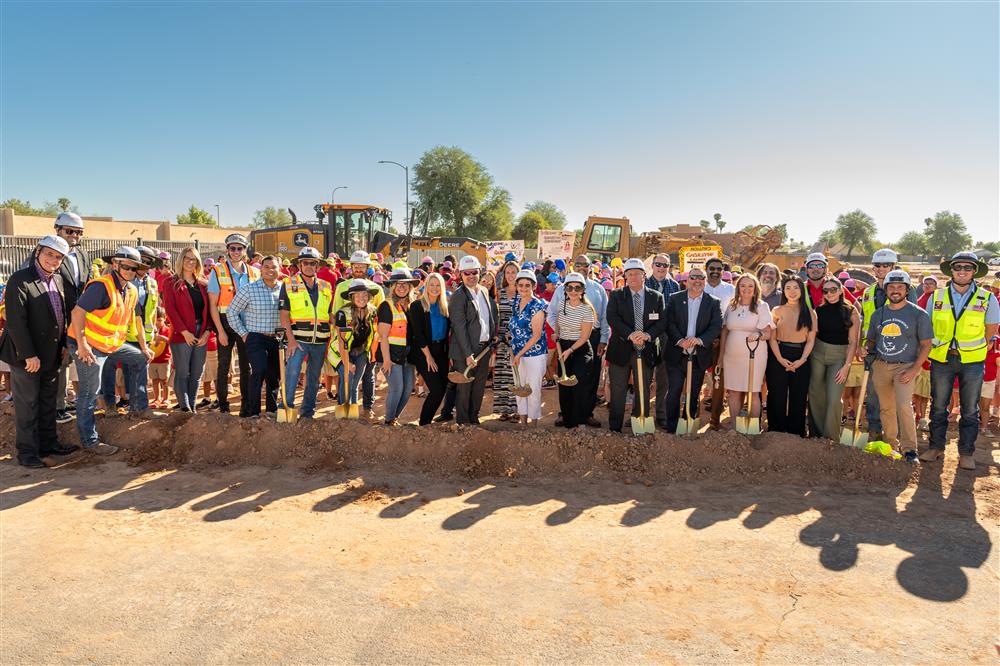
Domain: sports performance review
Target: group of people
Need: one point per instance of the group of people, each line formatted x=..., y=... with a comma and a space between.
x=794, y=347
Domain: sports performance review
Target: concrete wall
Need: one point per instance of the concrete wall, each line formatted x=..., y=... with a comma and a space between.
x=108, y=227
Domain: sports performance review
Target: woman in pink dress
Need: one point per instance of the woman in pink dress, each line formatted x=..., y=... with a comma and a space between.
x=746, y=321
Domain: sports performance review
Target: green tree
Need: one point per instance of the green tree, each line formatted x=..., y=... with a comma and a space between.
x=913, y=243
x=22, y=207
x=452, y=187
x=63, y=203
x=720, y=224
x=992, y=246
x=705, y=224
x=494, y=219
x=527, y=228
x=196, y=215
x=270, y=217
x=555, y=218
x=855, y=229
x=947, y=234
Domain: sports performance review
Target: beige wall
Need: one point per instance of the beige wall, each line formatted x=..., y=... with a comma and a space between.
x=108, y=227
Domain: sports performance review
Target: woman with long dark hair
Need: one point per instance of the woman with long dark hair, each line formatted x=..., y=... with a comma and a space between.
x=838, y=326
x=504, y=404
x=788, y=366
x=394, y=343
x=428, y=329
x=575, y=320
x=526, y=330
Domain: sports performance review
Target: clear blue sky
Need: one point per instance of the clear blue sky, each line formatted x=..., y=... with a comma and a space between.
x=665, y=113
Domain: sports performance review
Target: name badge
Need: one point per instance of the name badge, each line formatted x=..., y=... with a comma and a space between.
x=653, y=316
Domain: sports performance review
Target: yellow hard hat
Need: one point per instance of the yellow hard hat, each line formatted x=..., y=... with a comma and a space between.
x=616, y=262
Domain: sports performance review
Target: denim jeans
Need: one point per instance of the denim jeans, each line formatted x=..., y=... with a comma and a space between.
x=400, y=386
x=970, y=383
x=313, y=355
x=135, y=369
x=368, y=385
x=348, y=378
x=90, y=383
x=189, y=365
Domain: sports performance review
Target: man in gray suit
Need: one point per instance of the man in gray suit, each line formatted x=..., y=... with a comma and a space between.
x=474, y=317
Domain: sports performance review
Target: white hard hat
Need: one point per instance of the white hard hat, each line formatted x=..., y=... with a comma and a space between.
x=897, y=275
x=55, y=243
x=469, y=263
x=307, y=253
x=237, y=238
x=125, y=253
x=634, y=264
x=576, y=277
x=526, y=275
x=69, y=220
x=885, y=256
x=816, y=256
x=360, y=257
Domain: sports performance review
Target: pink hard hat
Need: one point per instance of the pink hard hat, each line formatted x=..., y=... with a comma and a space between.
x=850, y=283
x=164, y=255
x=607, y=284
x=446, y=264
x=843, y=275
x=726, y=275
x=378, y=278
x=209, y=262
x=426, y=260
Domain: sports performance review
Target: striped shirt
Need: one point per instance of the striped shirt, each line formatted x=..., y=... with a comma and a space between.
x=570, y=319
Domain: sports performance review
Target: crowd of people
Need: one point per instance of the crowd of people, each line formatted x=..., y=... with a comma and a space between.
x=808, y=350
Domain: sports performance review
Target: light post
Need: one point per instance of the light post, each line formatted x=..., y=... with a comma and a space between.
x=339, y=187
x=406, y=171
x=218, y=217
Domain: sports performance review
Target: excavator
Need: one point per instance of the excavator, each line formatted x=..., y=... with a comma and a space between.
x=344, y=228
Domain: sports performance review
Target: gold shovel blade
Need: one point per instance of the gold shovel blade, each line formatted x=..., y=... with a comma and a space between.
x=458, y=377
x=686, y=427
x=568, y=381
x=848, y=437
x=522, y=391
x=353, y=412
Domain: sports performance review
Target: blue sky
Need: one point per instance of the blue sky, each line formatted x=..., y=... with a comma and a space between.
x=665, y=113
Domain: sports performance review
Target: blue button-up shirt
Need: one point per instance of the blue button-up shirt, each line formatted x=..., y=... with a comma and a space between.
x=597, y=297
x=254, y=309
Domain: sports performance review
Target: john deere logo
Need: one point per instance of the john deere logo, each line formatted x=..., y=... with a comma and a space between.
x=301, y=239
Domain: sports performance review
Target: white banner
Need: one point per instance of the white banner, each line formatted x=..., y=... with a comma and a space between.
x=553, y=244
x=497, y=250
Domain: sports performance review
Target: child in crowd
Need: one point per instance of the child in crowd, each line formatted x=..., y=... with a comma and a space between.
x=208, y=377
x=159, y=367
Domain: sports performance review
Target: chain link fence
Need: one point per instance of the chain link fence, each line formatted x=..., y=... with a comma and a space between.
x=15, y=250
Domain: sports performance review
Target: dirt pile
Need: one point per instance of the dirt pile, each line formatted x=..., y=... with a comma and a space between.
x=456, y=451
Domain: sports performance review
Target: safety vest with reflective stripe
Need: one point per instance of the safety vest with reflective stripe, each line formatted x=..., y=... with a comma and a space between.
x=227, y=286
x=969, y=332
x=106, y=329
x=310, y=323
x=397, y=330
x=333, y=349
x=867, y=310
x=148, y=313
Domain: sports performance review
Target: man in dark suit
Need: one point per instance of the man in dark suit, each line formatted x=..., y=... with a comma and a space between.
x=630, y=338
x=473, y=315
x=694, y=322
x=34, y=344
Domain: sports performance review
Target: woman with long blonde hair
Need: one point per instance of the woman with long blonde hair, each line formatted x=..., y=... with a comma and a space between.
x=429, y=327
x=746, y=325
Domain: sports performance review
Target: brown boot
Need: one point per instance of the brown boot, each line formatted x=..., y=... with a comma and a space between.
x=930, y=455
x=967, y=462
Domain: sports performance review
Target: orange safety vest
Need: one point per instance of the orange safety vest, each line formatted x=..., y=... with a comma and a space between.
x=106, y=329
x=397, y=331
x=227, y=286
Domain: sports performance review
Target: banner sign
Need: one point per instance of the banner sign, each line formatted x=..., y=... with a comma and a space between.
x=553, y=244
x=697, y=255
x=497, y=250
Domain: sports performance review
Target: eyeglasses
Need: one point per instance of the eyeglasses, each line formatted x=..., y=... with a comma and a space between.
x=882, y=265
x=816, y=265
x=235, y=248
x=963, y=267
x=696, y=277
x=470, y=273
x=574, y=287
x=71, y=232
x=660, y=264
x=190, y=258
x=831, y=290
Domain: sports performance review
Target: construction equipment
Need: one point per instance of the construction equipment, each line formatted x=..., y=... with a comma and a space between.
x=688, y=425
x=748, y=425
x=852, y=436
x=463, y=377
x=520, y=390
x=286, y=414
x=564, y=380
x=642, y=424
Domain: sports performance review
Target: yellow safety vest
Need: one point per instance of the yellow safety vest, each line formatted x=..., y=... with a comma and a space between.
x=310, y=323
x=148, y=313
x=107, y=329
x=969, y=332
x=371, y=342
x=340, y=297
x=867, y=310
x=227, y=286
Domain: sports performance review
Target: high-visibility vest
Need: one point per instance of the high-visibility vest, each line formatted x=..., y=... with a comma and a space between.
x=867, y=310
x=227, y=286
x=333, y=349
x=397, y=329
x=148, y=313
x=310, y=323
x=107, y=329
x=340, y=296
x=969, y=332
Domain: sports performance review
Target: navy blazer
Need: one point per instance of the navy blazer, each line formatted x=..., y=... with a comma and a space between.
x=708, y=328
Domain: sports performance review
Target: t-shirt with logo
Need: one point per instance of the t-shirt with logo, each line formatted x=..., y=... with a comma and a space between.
x=898, y=333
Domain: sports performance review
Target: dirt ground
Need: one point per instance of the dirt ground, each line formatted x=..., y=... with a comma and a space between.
x=210, y=540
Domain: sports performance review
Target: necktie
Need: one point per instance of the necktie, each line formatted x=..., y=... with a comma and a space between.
x=637, y=310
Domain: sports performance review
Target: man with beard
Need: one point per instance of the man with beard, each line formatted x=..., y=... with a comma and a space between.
x=360, y=262
x=816, y=272
x=965, y=316
x=900, y=339
x=770, y=278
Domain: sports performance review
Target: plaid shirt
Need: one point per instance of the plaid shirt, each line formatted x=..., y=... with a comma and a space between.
x=254, y=309
x=667, y=287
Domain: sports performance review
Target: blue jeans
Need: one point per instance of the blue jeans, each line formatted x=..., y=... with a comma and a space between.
x=135, y=369
x=348, y=378
x=90, y=384
x=189, y=365
x=400, y=387
x=970, y=383
x=314, y=355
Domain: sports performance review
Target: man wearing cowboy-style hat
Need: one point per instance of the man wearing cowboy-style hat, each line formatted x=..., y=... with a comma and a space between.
x=965, y=317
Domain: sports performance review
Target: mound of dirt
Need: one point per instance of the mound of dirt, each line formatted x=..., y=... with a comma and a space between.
x=458, y=451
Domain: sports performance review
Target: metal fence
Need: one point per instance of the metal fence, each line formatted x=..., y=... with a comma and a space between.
x=15, y=250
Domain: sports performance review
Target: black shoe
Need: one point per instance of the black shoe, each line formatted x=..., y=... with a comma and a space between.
x=214, y=404
x=60, y=450
x=592, y=422
x=224, y=408
x=71, y=406
x=204, y=403
x=122, y=404
x=62, y=416
x=443, y=418
x=559, y=422
x=31, y=461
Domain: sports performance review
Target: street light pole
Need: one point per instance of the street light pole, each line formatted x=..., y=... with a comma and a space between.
x=339, y=187
x=218, y=217
x=406, y=171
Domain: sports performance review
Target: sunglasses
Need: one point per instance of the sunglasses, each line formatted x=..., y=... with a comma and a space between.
x=660, y=264
x=963, y=267
x=72, y=232
x=190, y=258
x=817, y=265
x=470, y=273
x=831, y=290
x=308, y=263
x=696, y=277
x=882, y=265
x=123, y=267
x=574, y=287
x=235, y=248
